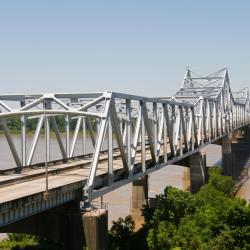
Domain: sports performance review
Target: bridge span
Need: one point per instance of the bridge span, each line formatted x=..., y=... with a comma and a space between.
x=130, y=136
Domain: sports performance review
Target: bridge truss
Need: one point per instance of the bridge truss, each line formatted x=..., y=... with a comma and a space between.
x=135, y=135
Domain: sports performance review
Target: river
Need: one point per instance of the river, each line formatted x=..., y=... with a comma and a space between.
x=118, y=201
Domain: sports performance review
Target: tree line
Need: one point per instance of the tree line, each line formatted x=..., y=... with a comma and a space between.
x=14, y=124
x=212, y=219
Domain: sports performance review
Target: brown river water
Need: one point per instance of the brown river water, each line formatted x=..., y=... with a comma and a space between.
x=118, y=201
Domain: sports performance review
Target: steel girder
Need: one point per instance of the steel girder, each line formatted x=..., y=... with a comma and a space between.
x=146, y=133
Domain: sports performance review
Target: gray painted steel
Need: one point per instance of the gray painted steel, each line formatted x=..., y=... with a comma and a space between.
x=203, y=110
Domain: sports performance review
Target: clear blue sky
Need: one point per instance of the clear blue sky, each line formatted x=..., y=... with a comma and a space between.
x=140, y=47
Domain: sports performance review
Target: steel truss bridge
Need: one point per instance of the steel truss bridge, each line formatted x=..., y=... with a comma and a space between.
x=124, y=137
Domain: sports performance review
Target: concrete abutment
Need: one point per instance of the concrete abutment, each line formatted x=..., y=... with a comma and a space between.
x=68, y=225
x=62, y=224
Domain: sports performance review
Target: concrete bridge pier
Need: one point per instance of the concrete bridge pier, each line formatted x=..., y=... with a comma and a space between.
x=68, y=225
x=248, y=135
x=138, y=200
x=198, y=171
x=228, y=158
x=62, y=224
x=95, y=224
x=235, y=152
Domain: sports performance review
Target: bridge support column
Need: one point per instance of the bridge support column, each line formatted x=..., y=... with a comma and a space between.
x=235, y=152
x=198, y=171
x=248, y=135
x=95, y=225
x=227, y=155
x=138, y=200
x=62, y=224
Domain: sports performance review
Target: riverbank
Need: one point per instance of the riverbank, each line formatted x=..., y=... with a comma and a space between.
x=243, y=185
x=209, y=219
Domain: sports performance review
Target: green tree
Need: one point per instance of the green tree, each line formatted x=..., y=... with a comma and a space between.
x=28, y=242
x=211, y=219
x=121, y=233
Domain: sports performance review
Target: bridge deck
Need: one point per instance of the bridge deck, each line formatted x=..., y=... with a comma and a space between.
x=202, y=111
x=31, y=181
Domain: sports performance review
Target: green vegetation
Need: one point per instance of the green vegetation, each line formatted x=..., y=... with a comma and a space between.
x=28, y=242
x=121, y=233
x=210, y=219
x=14, y=124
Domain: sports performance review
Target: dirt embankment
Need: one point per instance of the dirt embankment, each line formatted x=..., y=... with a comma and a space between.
x=242, y=185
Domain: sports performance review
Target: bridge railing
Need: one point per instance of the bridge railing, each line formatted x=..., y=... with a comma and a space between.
x=150, y=132
x=123, y=136
x=34, y=118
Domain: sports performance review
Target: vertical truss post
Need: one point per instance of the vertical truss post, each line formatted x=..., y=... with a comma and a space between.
x=136, y=138
x=183, y=127
x=155, y=140
x=169, y=128
x=47, y=145
x=47, y=105
x=210, y=120
x=173, y=127
x=165, y=144
x=143, y=135
x=187, y=121
x=23, y=135
x=124, y=134
x=205, y=119
x=219, y=119
x=177, y=129
x=67, y=121
x=149, y=131
x=221, y=115
x=83, y=135
x=128, y=133
x=121, y=126
x=195, y=130
x=234, y=115
x=200, y=124
x=180, y=132
x=110, y=153
x=244, y=116
x=189, y=130
x=224, y=130
x=159, y=136
x=215, y=119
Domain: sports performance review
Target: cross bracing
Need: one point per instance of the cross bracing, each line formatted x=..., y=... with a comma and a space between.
x=130, y=136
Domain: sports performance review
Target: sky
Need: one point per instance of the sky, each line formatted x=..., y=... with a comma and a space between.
x=132, y=46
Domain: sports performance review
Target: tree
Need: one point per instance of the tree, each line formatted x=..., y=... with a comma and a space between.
x=211, y=219
x=121, y=233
